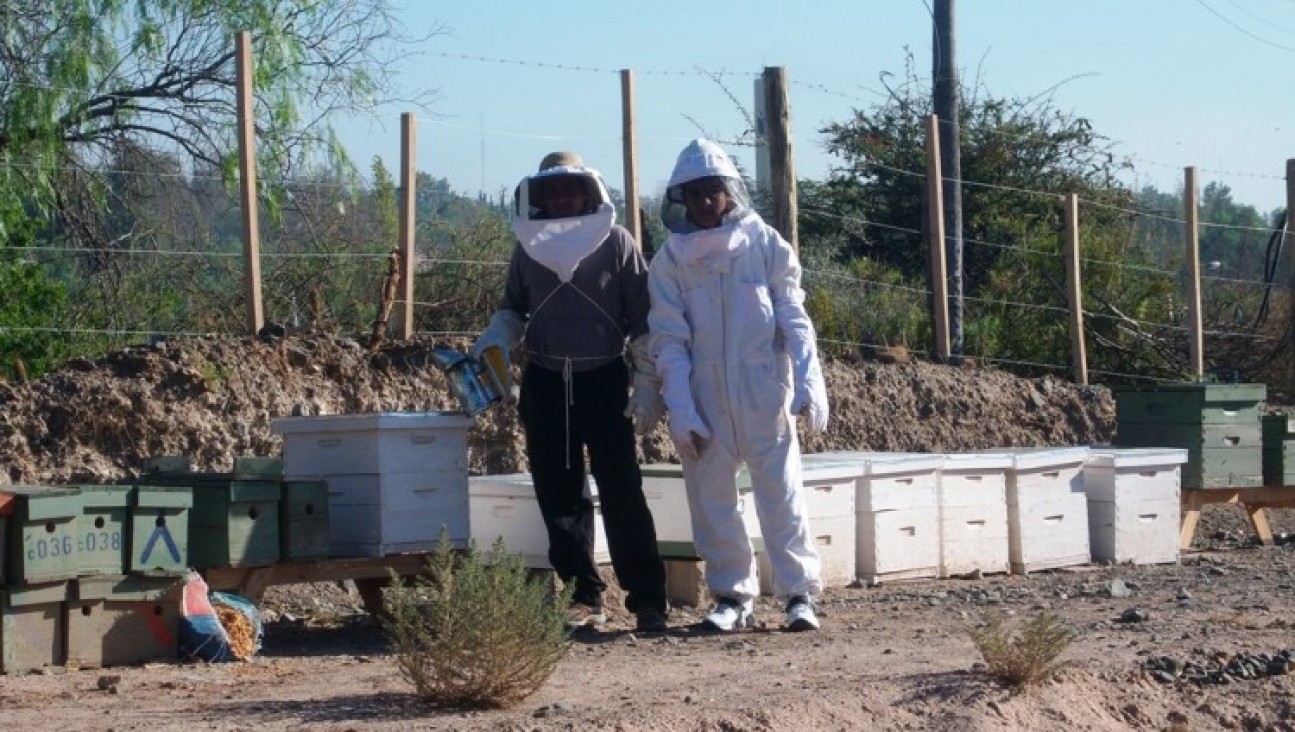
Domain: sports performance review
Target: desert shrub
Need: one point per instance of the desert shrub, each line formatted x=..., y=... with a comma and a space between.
x=475, y=631
x=1025, y=658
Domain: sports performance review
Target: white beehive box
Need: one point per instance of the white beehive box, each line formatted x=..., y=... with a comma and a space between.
x=972, y=496
x=505, y=506
x=897, y=518
x=1047, y=509
x=829, y=493
x=667, y=499
x=395, y=480
x=1133, y=504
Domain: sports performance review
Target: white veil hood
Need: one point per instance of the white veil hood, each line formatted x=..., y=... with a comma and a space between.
x=561, y=243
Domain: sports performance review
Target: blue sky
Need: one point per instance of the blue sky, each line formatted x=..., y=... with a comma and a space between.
x=1173, y=82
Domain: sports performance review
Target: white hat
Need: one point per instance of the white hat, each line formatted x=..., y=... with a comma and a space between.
x=702, y=159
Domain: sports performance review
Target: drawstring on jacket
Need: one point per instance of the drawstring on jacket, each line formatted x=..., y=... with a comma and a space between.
x=568, y=381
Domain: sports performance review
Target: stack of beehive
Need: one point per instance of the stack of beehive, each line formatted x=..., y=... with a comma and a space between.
x=1217, y=424
x=395, y=480
x=89, y=574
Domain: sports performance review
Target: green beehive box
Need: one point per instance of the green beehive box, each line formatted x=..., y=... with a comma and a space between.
x=101, y=538
x=234, y=523
x=1218, y=425
x=31, y=627
x=159, y=530
x=42, y=534
x=1190, y=404
x=122, y=620
x=303, y=520
x=258, y=468
x=1278, y=451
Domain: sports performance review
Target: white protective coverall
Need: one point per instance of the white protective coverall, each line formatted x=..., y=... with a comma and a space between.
x=736, y=350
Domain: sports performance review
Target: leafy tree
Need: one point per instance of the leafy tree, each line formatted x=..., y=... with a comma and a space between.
x=82, y=76
x=1019, y=156
x=117, y=126
x=34, y=300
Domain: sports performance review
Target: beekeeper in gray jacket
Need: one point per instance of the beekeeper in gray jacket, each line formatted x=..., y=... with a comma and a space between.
x=737, y=355
x=576, y=298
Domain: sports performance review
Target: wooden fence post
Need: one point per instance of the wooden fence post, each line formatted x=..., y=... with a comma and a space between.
x=1195, y=330
x=1074, y=291
x=248, y=185
x=408, y=196
x=935, y=238
x=1288, y=234
x=630, y=148
x=781, y=163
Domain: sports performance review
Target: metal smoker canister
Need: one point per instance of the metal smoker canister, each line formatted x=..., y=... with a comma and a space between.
x=473, y=385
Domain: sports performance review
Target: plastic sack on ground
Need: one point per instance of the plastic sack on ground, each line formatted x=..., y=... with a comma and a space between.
x=216, y=626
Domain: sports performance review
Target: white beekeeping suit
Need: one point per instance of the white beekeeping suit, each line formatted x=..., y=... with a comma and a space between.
x=736, y=352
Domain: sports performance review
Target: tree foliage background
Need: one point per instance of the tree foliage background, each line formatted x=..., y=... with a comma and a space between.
x=863, y=232
x=119, y=220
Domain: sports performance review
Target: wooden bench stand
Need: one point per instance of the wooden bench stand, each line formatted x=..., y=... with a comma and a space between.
x=1253, y=500
x=370, y=575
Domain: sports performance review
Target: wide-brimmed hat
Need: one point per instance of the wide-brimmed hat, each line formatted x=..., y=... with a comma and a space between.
x=561, y=159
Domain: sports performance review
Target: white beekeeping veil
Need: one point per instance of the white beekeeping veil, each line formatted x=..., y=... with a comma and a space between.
x=701, y=159
x=560, y=240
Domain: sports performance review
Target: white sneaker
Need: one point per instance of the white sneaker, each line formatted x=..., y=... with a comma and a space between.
x=800, y=614
x=729, y=614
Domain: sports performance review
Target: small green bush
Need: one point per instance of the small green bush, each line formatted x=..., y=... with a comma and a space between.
x=475, y=631
x=1027, y=658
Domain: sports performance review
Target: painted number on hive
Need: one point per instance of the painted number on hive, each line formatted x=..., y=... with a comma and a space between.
x=100, y=541
x=51, y=547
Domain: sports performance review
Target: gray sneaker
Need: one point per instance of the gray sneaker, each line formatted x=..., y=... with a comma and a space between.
x=800, y=614
x=729, y=615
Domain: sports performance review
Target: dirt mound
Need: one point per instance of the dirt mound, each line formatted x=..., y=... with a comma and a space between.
x=215, y=398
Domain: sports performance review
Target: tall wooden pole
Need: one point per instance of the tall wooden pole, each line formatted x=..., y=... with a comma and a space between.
x=946, y=102
x=1074, y=291
x=408, y=196
x=1195, y=329
x=935, y=240
x=782, y=165
x=629, y=141
x=248, y=186
x=1288, y=242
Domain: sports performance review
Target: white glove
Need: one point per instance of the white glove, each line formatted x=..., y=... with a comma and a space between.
x=810, y=399
x=646, y=407
x=504, y=331
x=688, y=434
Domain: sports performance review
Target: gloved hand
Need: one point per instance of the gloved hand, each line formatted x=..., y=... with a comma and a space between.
x=504, y=331
x=646, y=407
x=688, y=434
x=810, y=399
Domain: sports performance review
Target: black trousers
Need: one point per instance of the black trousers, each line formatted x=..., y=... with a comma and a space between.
x=561, y=422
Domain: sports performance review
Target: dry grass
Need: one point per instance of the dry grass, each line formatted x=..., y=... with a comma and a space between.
x=1028, y=657
x=239, y=628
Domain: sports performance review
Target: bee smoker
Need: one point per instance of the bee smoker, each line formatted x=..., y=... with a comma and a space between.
x=476, y=383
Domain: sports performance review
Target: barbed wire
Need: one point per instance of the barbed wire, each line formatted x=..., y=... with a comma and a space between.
x=694, y=72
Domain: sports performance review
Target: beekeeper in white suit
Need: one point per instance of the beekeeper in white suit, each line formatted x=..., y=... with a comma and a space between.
x=576, y=297
x=736, y=353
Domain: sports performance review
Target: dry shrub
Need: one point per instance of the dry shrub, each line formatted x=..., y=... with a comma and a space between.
x=474, y=631
x=1026, y=658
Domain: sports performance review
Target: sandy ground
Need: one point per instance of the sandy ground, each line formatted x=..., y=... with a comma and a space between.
x=888, y=657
